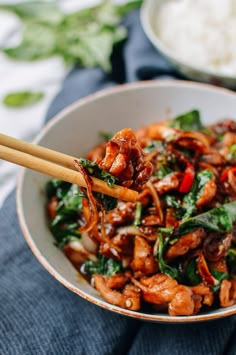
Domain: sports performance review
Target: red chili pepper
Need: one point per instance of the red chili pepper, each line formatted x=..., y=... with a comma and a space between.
x=224, y=176
x=188, y=178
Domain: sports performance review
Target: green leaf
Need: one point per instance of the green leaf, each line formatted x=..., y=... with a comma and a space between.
x=165, y=268
x=38, y=42
x=152, y=146
x=218, y=219
x=162, y=170
x=86, y=37
x=189, y=200
x=94, y=170
x=106, y=136
x=219, y=276
x=104, y=266
x=22, y=98
x=191, y=273
x=56, y=187
x=45, y=11
x=189, y=121
x=108, y=202
x=125, y=8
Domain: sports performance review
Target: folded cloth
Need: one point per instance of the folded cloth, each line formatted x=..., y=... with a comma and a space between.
x=40, y=316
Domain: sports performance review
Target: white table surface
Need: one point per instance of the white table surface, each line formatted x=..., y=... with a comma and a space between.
x=46, y=75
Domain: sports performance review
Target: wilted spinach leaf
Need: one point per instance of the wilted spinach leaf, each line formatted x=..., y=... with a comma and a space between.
x=191, y=273
x=106, y=135
x=94, y=170
x=103, y=266
x=164, y=235
x=189, y=121
x=218, y=219
x=189, y=200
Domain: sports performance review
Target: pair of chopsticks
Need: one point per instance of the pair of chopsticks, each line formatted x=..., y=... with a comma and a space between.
x=57, y=165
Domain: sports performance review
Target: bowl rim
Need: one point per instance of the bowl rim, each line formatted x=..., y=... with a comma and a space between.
x=46, y=264
x=158, y=44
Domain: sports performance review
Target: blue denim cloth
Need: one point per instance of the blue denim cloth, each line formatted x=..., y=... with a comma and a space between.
x=40, y=316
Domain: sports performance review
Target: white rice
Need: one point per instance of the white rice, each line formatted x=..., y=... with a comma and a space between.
x=200, y=32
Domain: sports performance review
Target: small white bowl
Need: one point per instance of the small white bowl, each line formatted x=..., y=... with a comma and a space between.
x=75, y=130
x=149, y=11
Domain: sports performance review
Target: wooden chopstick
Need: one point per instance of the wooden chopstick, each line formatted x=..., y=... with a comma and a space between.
x=57, y=165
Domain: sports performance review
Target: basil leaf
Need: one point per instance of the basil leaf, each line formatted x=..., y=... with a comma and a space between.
x=106, y=135
x=108, y=202
x=218, y=219
x=191, y=273
x=86, y=37
x=104, y=266
x=94, y=170
x=219, y=276
x=189, y=200
x=22, y=98
x=152, y=146
x=45, y=11
x=56, y=187
x=64, y=232
x=71, y=201
x=162, y=171
x=189, y=121
x=165, y=268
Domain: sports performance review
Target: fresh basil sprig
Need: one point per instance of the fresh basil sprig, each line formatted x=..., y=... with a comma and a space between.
x=86, y=37
x=218, y=219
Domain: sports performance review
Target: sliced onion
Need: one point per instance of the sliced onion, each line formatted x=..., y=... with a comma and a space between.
x=130, y=230
x=90, y=244
x=78, y=247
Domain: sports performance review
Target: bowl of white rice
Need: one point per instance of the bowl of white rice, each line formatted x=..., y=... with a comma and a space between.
x=197, y=37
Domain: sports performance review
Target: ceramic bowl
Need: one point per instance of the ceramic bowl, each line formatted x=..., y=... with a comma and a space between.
x=149, y=13
x=75, y=130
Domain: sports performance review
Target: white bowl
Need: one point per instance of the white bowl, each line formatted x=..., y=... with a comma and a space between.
x=149, y=11
x=75, y=130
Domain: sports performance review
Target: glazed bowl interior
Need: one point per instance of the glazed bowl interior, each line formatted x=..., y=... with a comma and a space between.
x=75, y=131
x=149, y=14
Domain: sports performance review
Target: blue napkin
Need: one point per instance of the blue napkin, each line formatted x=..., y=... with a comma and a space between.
x=40, y=316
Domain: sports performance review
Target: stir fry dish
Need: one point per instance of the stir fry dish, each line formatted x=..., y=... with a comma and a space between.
x=174, y=249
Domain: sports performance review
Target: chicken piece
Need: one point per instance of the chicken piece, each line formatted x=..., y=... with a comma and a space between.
x=161, y=289
x=120, y=242
x=215, y=245
x=117, y=281
x=188, y=241
x=213, y=157
x=227, y=294
x=143, y=257
x=182, y=304
x=160, y=131
x=229, y=139
x=125, y=160
x=205, y=292
x=129, y=298
x=207, y=194
x=97, y=153
x=168, y=183
x=122, y=214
